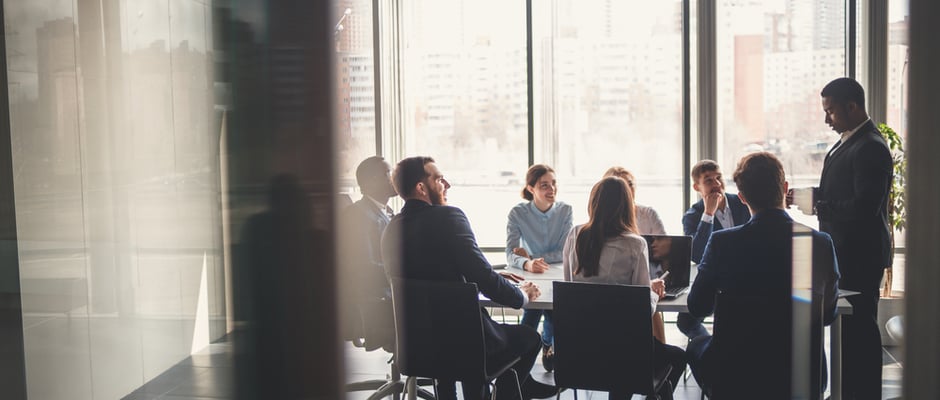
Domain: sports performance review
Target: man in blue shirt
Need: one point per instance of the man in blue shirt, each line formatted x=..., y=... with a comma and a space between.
x=716, y=210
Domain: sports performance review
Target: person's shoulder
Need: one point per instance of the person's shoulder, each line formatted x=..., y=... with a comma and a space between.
x=519, y=209
x=562, y=206
x=729, y=233
x=449, y=211
x=697, y=208
x=631, y=239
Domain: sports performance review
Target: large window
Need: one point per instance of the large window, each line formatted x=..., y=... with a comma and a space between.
x=355, y=86
x=773, y=59
x=609, y=93
x=464, y=70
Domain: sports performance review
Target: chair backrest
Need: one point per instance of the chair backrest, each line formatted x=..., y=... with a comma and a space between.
x=603, y=337
x=753, y=344
x=439, y=329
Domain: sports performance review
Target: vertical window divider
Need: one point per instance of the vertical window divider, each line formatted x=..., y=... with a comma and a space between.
x=530, y=83
x=707, y=80
x=686, y=103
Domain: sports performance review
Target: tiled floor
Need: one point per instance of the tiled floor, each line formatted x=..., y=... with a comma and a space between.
x=208, y=375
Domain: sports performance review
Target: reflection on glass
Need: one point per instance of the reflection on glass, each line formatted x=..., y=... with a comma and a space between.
x=773, y=59
x=355, y=86
x=610, y=94
x=465, y=103
x=115, y=159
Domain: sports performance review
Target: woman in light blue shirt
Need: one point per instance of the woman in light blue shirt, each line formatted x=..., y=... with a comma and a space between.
x=535, y=238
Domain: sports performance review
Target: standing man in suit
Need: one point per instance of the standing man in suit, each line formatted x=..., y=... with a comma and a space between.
x=716, y=210
x=756, y=259
x=851, y=203
x=430, y=240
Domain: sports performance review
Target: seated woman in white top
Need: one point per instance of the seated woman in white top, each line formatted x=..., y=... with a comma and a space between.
x=608, y=250
x=647, y=223
x=647, y=220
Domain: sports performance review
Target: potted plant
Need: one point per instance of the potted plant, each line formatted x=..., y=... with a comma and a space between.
x=897, y=205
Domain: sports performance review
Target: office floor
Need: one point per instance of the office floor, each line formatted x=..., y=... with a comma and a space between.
x=208, y=375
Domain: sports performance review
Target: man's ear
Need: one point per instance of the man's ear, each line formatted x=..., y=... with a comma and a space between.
x=420, y=189
x=695, y=186
x=742, y=198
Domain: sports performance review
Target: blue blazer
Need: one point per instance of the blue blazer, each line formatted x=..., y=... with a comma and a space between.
x=436, y=243
x=756, y=258
x=693, y=226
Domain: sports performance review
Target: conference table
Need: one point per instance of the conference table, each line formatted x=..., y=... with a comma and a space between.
x=678, y=304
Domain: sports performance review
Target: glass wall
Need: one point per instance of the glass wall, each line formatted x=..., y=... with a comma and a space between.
x=355, y=86
x=773, y=59
x=608, y=94
x=464, y=91
x=116, y=180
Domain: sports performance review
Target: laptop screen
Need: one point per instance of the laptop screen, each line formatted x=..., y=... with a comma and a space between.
x=673, y=254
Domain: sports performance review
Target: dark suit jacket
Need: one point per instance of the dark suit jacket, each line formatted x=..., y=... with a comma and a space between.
x=852, y=202
x=362, y=224
x=436, y=243
x=693, y=226
x=755, y=259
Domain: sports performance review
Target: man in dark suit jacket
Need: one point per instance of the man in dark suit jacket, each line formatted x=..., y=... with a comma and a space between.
x=716, y=210
x=363, y=223
x=367, y=295
x=429, y=240
x=852, y=205
x=756, y=259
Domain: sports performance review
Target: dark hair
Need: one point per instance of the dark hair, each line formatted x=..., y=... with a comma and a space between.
x=610, y=213
x=369, y=168
x=843, y=91
x=760, y=179
x=702, y=167
x=532, y=177
x=408, y=173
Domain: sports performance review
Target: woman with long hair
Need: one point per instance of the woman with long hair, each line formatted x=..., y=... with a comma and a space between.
x=647, y=219
x=607, y=249
x=535, y=235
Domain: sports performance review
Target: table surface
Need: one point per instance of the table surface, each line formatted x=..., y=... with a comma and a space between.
x=555, y=273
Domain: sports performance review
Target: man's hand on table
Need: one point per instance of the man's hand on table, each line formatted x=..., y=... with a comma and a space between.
x=514, y=278
x=531, y=290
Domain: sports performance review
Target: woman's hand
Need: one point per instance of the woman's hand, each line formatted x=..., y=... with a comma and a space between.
x=659, y=287
x=537, y=265
x=519, y=251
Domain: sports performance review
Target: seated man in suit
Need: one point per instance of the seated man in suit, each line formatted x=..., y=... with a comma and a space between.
x=363, y=223
x=429, y=240
x=756, y=259
x=715, y=211
x=366, y=292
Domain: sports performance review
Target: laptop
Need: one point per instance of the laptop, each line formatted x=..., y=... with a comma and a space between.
x=673, y=254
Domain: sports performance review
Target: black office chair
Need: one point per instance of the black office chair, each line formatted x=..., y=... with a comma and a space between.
x=752, y=347
x=372, y=328
x=439, y=334
x=604, y=339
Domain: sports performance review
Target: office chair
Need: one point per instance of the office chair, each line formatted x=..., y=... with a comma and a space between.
x=753, y=351
x=604, y=339
x=372, y=328
x=439, y=334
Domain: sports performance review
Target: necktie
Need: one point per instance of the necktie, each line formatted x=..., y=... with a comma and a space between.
x=833, y=149
x=388, y=211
